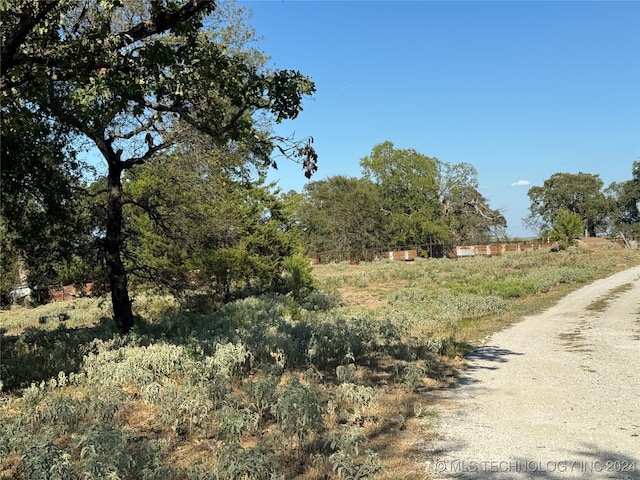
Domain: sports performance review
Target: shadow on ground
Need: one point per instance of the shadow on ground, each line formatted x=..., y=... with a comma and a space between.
x=38, y=354
x=488, y=357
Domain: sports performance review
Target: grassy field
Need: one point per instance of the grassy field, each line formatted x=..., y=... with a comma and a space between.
x=336, y=386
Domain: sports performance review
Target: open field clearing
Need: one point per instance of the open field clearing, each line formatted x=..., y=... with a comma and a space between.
x=338, y=385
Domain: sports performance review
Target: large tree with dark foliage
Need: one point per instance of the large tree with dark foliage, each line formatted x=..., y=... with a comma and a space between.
x=428, y=201
x=409, y=184
x=201, y=220
x=342, y=218
x=578, y=193
x=404, y=199
x=125, y=75
x=625, y=199
x=39, y=203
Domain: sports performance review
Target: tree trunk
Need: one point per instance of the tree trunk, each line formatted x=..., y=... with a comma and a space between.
x=114, y=241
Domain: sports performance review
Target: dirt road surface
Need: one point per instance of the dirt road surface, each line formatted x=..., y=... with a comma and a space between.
x=555, y=396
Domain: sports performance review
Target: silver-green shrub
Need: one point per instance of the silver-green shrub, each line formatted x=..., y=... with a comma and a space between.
x=349, y=400
x=233, y=422
x=297, y=410
x=254, y=463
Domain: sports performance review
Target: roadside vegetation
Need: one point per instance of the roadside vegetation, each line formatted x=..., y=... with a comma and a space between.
x=333, y=384
x=219, y=352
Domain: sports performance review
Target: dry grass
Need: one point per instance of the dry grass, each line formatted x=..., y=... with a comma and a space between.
x=367, y=286
x=82, y=312
x=402, y=447
x=398, y=443
x=400, y=423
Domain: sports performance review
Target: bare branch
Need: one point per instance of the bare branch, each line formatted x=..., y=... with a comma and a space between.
x=129, y=135
x=203, y=127
x=148, y=154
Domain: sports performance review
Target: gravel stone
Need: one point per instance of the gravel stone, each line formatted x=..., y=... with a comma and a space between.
x=555, y=396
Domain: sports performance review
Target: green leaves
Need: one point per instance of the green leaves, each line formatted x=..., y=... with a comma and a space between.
x=567, y=227
x=625, y=204
x=198, y=220
x=41, y=195
x=580, y=194
x=298, y=410
x=404, y=198
x=286, y=88
x=341, y=218
x=134, y=79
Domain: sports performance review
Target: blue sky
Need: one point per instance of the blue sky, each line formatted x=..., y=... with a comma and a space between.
x=521, y=90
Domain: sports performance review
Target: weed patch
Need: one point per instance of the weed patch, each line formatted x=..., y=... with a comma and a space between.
x=601, y=303
x=269, y=387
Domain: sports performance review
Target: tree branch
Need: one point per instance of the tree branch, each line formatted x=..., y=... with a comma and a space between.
x=184, y=115
x=18, y=35
x=148, y=154
x=163, y=21
x=129, y=135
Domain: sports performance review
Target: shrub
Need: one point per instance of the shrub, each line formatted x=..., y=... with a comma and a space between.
x=348, y=460
x=228, y=358
x=348, y=401
x=97, y=451
x=442, y=307
x=297, y=411
x=136, y=365
x=567, y=226
x=262, y=393
x=38, y=355
x=44, y=462
x=233, y=422
x=254, y=463
x=345, y=373
x=320, y=301
x=350, y=468
x=413, y=376
x=297, y=275
x=61, y=414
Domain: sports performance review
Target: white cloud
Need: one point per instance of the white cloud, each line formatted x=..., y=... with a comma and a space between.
x=521, y=183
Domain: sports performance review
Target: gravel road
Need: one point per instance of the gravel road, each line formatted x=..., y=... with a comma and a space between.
x=555, y=396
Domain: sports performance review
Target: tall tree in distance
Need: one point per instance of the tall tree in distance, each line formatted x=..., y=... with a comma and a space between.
x=409, y=184
x=126, y=75
x=625, y=198
x=466, y=211
x=342, y=218
x=428, y=201
x=578, y=193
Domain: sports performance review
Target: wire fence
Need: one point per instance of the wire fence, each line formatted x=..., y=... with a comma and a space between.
x=434, y=249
